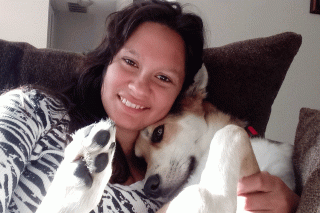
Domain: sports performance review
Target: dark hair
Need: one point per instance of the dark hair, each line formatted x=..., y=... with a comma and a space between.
x=86, y=95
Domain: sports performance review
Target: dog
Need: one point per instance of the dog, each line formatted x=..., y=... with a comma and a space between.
x=195, y=159
x=197, y=156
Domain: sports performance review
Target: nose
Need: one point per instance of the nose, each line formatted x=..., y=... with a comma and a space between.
x=152, y=186
x=139, y=87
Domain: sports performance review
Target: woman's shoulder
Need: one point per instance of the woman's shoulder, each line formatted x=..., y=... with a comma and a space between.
x=31, y=94
x=32, y=97
x=34, y=105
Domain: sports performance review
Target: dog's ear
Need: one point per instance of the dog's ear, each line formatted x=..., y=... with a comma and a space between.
x=198, y=88
x=196, y=93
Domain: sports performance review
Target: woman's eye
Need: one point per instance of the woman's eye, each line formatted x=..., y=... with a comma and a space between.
x=130, y=62
x=164, y=78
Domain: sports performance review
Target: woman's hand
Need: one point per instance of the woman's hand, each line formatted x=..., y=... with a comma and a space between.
x=263, y=192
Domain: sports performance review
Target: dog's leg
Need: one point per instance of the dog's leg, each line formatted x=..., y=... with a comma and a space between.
x=230, y=158
x=83, y=174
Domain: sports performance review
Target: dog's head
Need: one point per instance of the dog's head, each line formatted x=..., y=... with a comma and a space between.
x=172, y=146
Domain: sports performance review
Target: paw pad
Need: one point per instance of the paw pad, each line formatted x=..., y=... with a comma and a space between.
x=101, y=162
x=101, y=138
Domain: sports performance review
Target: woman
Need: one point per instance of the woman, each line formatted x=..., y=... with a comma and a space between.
x=138, y=73
x=148, y=58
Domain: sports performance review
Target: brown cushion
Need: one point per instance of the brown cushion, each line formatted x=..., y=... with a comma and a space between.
x=306, y=160
x=245, y=76
x=22, y=63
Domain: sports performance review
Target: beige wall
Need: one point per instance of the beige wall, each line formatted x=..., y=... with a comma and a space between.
x=24, y=20
x=80, y=32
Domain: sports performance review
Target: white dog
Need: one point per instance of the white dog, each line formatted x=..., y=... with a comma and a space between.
x=195, y=157
x=201, y=153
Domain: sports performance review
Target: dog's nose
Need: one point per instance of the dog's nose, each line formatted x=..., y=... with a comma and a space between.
x=152, y=186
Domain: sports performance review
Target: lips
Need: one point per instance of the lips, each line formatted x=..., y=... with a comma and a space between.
x=131, y=105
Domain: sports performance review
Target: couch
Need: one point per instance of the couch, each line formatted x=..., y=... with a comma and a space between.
x=244, y=79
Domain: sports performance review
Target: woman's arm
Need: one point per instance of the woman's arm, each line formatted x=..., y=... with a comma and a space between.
x=24, y=119
x=265, y=192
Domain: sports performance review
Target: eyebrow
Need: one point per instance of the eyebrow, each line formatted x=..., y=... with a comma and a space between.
x=132, y=51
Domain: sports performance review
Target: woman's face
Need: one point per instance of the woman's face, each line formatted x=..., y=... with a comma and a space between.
x=145, y=77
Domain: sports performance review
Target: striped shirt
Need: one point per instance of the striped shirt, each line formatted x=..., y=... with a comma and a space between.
x=33, y=135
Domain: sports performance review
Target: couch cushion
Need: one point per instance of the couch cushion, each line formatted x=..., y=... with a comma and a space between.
x=306, y=160
x=245, y=76
x=22, y=63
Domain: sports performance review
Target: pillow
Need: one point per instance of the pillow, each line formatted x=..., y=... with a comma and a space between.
x=245, y=76
x=21, y=63
x=306, y=160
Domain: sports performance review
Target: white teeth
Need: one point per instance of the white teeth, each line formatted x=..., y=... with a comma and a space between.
x=129, y=104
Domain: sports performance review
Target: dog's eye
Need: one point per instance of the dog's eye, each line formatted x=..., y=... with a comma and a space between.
x=157, y=134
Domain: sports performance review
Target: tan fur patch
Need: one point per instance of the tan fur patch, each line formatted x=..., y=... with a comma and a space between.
x=212, y=111
x=194, y=103
x=171, y=129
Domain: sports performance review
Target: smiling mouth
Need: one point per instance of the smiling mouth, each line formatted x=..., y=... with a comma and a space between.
x=131, y=105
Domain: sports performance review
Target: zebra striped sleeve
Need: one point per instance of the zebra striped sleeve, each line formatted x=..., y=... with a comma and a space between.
x=25, y=117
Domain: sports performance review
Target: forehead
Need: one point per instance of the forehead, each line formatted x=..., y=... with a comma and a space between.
x=156, y=32
x=157, y=43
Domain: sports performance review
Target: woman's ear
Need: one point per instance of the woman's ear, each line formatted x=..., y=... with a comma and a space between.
x=199, y=85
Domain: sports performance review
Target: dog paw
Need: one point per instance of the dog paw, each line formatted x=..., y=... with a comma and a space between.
x=86, y=169
x=90, y=153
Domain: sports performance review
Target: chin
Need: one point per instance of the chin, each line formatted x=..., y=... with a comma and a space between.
x=129, y=126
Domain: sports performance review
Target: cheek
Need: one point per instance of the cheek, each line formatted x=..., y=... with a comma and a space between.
x=111, y=80
x=165, y=102
x=111, y=75
x=109, y=86
x=105, y=89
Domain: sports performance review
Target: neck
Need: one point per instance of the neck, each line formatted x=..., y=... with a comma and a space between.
x=127, y=139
